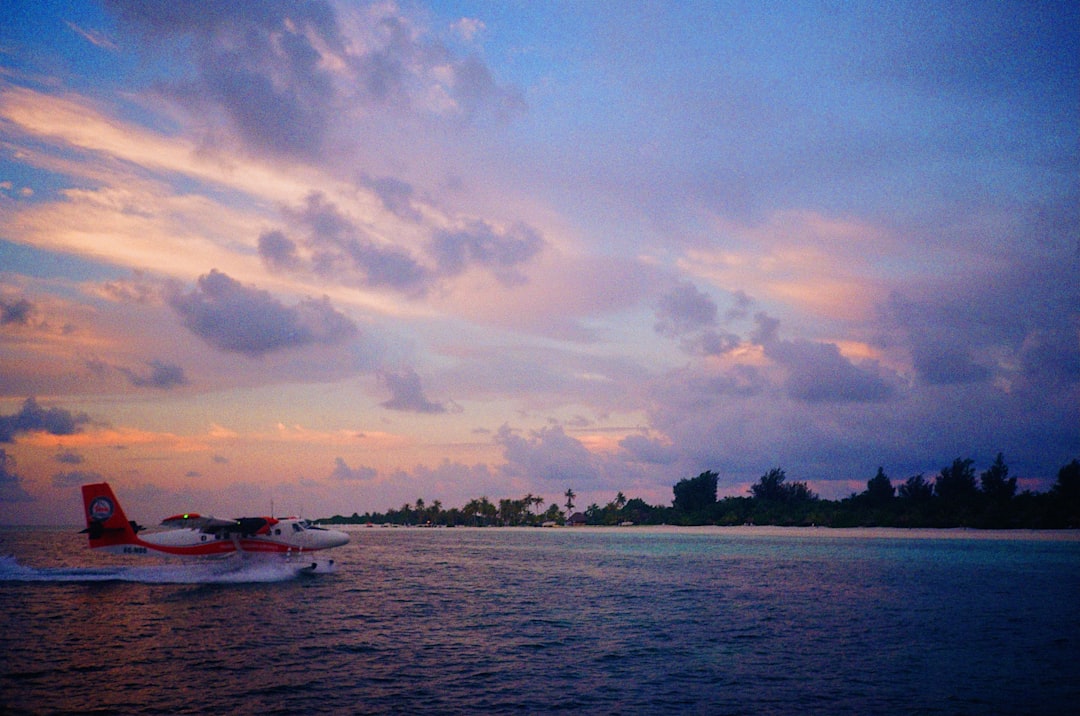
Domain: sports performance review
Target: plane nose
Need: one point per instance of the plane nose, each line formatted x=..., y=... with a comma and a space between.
x=338, y=538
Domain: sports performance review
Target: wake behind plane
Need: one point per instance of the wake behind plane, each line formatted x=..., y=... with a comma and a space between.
x=194, y=535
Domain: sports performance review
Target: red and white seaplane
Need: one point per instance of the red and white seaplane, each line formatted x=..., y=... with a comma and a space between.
x=194, y=535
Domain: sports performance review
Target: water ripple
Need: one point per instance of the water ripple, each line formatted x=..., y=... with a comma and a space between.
x=604, y=622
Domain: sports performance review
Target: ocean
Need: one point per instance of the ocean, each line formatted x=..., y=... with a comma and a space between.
x=593, y=621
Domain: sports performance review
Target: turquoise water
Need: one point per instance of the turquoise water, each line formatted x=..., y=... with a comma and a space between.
x=607, y=621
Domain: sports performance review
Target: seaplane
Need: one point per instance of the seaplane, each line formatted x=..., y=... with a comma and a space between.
x=193, y=535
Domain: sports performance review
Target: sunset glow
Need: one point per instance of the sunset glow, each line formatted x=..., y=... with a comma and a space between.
x=342, y=255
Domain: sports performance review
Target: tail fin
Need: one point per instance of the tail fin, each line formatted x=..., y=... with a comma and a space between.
x=106, y=524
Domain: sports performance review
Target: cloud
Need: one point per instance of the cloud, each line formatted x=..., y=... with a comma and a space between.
x=946, y=364
x=278, y=251
x=649, y=450
x=711, y=343
x=15, y=311
x=337, y=247
x=468, y=28
x=343, y=472
x=1051, y=353
x=549, y=454
x=689, y=314
x=818, y=372
x=135, y=290
x=408, y=395
x=280, y=76
x=94, y=37
x=478, y=243
x=1013, y=322
x=260, y=71
x=240, y=319
x=68, y=457
x=397, y=196
x=76, y=478
x=684, y=309
x=396, y=63
x=161, y=375
x=330, y=244
x=33, y=418
x=11, y=489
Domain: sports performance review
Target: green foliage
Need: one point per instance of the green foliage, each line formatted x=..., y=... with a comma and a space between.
x=953, y=499
x=695, y=495
x=879, y=489
x=773, y=488
x=996, y=483
x=956, y=484
x=1066, y=497
x=917, y=489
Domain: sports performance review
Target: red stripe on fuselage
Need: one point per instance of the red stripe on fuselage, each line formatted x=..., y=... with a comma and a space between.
x=223, y=546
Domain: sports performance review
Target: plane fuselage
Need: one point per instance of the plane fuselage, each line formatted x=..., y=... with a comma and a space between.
x=277, y=536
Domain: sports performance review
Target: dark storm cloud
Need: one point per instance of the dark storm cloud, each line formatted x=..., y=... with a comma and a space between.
x=818, y=372
x=34, y=418
x=15, y=311
x=1051, y=354
x=1016, y=322
x=246, y=320
x=947, y=363
x=408, y=394
x=159, y=374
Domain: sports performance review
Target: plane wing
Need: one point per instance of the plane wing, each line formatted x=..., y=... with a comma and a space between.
x=243, y=526
x=195, y=521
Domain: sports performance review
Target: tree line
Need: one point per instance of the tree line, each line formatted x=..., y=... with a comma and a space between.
x=957, y=496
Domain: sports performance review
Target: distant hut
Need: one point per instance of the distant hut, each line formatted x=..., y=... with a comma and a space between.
x=577, y=520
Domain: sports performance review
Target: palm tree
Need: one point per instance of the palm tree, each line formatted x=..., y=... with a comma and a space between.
x=487, y=510
x=539, y=502
x=471, y=509
x=569, y=495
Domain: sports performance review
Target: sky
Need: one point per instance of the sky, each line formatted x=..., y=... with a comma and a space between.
x=332, y=257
